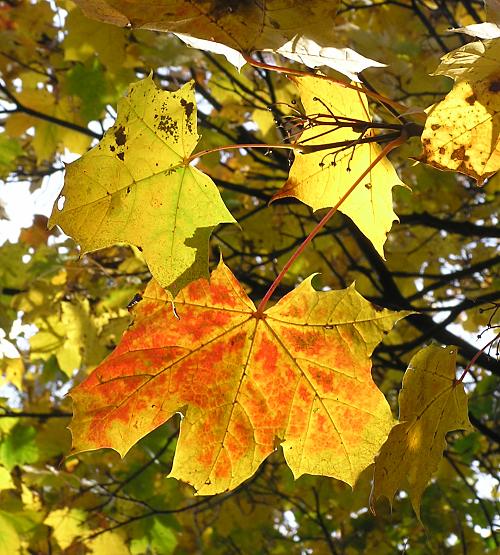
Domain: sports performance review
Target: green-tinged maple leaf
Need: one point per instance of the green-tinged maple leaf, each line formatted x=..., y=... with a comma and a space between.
x=431, y=404
x=243, y=26
x=298, y=375
x=462, y=131
x=19, y=447
x=6, y=481
x=71, y=335
x=88, y=82
x=136, y=186
x=320, y=179
x=10, y=150
x=9, y=538
x=12, y=371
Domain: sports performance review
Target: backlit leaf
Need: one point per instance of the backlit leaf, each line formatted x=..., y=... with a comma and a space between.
x=232, y=56
x=431, y=404
x=311, y=54
x=107, y=543
x=462, y=131
x=298, y=376
x=240, y=25
x=6, y=481
x=86, y=39
x=18, y=447
x=70, y=335
x=481, y=30
x=12, y=371
x=10, y=149
x=320, y=179
x=67, y=524
x=9, y=538
x=136, y=187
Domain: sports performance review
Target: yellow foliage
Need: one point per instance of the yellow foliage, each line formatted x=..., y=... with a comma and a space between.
x=462, y=131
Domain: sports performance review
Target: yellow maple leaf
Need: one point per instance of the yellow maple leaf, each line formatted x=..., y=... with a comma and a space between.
x=67, y=524
x=462, y=131
x=431, y=403
x=320, y=179
x=137, y=187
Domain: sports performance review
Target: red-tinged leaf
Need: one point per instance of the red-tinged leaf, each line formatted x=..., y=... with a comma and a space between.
x=298, y=375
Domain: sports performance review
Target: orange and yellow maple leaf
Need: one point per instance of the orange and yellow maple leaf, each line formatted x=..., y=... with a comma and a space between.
x=297, y=374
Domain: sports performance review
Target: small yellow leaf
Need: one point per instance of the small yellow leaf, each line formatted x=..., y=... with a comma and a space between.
x=5, y=479
x=10, y=542
x=30, y=499
x=320, y=179
x=108, y=543
x=12, y=371
x=431, y=403
x=68, y=524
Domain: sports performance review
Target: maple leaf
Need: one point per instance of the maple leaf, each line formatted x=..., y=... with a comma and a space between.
x=136, y=186
x=431, y=403
x=298, y=375
x=243, y=26
x=462, y=131
x=320, y=179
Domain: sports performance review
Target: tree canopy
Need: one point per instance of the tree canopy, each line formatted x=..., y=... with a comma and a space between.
x=262, y=313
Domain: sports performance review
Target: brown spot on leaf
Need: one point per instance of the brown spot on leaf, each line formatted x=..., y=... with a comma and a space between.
x=435, y=126
x=188, y=109
x=120, y=136
x=471, y=99
x=458, y=154
x=169, y=127
x=442, y=150
x=121, y=155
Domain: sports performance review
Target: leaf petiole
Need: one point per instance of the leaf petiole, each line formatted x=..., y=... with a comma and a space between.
x=401, y=108
x=300, y=147
x=476, y=356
